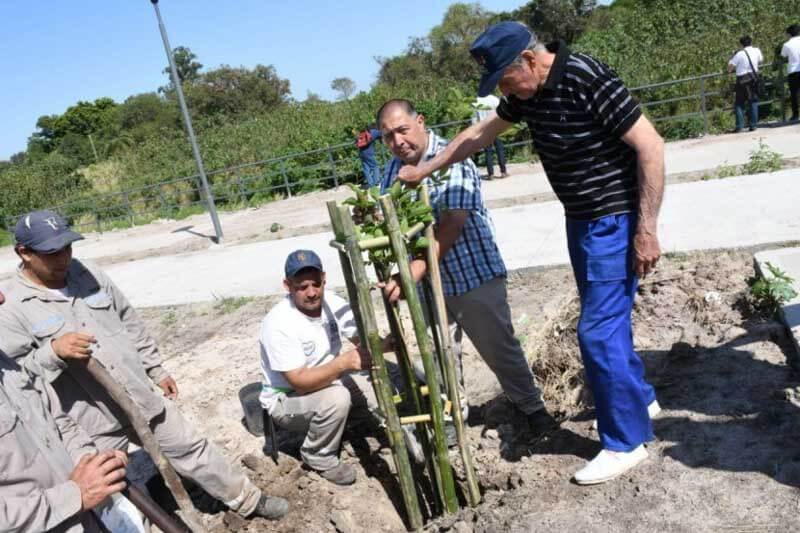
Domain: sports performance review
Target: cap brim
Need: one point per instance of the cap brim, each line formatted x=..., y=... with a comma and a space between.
x=59, y=242
x=489, y=82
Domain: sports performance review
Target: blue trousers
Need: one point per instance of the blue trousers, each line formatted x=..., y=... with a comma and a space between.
x=601, y=253
x=501, y=156
x=372, y=172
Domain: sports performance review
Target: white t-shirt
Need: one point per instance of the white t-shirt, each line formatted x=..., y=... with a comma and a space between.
x=791, y=51
x=739, y=60
x=484, y=105
x=291, y=339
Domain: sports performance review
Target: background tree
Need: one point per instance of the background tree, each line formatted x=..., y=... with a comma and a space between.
x=188, y=69
x=554, y=19
x=231, y=91
x=344, y=86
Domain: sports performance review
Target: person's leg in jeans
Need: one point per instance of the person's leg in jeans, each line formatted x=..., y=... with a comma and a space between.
x=501, y=156
x=753, y=110
x=489, y=151
x=794, y=93
x=738, y=106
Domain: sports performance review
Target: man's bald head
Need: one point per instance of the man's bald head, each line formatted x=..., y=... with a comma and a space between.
x=403, y=130
x=396, y=104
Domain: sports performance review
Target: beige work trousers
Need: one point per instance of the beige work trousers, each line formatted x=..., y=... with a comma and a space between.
x=322, y=415
x=194, y=457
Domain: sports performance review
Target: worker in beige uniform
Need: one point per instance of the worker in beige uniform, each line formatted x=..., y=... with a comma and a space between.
x=58, y=312
x=51, y=476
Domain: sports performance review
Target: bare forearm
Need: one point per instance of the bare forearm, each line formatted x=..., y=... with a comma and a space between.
x=310, y=379
x=466, y=143
x=651, y=186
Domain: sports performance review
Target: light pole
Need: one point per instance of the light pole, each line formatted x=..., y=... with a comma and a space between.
x=187, y=121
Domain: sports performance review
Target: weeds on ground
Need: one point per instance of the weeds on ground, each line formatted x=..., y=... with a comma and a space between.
x=768, y=292
x=727, y=171
x=228, y=304
x=763, y=160
x=169, y=318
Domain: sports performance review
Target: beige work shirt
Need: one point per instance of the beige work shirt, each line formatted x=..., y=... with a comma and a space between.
x=33, y=316
x=38, y=445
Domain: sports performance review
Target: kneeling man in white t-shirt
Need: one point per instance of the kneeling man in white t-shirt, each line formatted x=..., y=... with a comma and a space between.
x=310, y=384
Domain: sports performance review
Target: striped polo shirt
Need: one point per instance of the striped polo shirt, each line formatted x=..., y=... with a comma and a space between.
x=474, y=258
x=577, y=120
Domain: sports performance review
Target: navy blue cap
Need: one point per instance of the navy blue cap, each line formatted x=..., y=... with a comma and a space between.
x=300, y=259
x=495, y=49
x=45, y=232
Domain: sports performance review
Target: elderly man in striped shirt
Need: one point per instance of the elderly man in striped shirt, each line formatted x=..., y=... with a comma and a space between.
x=605, y=162
x=473, y=273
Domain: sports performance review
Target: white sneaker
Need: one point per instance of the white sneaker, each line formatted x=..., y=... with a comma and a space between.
x=653, y=410
x=608, y=465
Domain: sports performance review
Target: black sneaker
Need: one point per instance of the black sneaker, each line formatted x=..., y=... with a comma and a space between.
x=341, y=474
x=270, y=507
x=541, y=422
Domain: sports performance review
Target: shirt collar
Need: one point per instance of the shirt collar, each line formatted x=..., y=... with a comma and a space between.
x=29, y=289
x=433, y=146
x=559, y=64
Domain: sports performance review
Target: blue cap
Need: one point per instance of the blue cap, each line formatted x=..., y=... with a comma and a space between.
x=300, y=259
x=45, y=232
x=495, y=49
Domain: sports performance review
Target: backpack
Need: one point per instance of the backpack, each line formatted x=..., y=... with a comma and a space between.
x=364, y=138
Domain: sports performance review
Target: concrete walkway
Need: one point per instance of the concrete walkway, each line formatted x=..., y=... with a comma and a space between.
x=305, y=214
x=726, y=213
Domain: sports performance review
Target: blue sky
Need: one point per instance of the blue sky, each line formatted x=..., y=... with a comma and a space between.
x=56, y=52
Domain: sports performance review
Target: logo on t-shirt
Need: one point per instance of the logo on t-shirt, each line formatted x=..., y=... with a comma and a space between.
x=309, y=347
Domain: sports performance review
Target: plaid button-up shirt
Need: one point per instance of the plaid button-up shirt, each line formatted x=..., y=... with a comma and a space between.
x=474, y=258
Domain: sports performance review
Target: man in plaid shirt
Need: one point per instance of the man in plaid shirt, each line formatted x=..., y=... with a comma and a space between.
x=473, y=272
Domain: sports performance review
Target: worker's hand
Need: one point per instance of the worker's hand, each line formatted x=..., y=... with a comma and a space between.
x=647, y=252
x=98, y=476
x=122, y=456
x=356, y=359
x=169, y=387
x=74, y=345
x=410, y=175
x=393, y=289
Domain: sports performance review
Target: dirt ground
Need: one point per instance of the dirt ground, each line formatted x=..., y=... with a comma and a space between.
x=725, y=458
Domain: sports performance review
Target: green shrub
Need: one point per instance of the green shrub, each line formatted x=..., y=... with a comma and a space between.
x=762, y=160
x=769, y=292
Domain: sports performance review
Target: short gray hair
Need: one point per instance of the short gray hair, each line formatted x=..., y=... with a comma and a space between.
x=534, y=45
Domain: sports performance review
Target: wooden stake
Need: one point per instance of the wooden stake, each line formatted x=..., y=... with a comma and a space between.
x=344, y=230
x=434, y=274
x=142, y=428
x=447, y=485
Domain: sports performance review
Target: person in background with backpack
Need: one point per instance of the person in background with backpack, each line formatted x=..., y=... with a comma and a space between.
x=366, y=152
x=791, y=51
x=745, y=62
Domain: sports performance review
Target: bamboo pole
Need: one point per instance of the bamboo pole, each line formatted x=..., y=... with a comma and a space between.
x=142, y=427
x=345, y=230
x=434, y=274
x=410, y=382
x=347, y=270
x=383, y=242
x=447, y=486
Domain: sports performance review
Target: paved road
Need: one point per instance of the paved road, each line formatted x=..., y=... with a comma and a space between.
x=726, y=213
